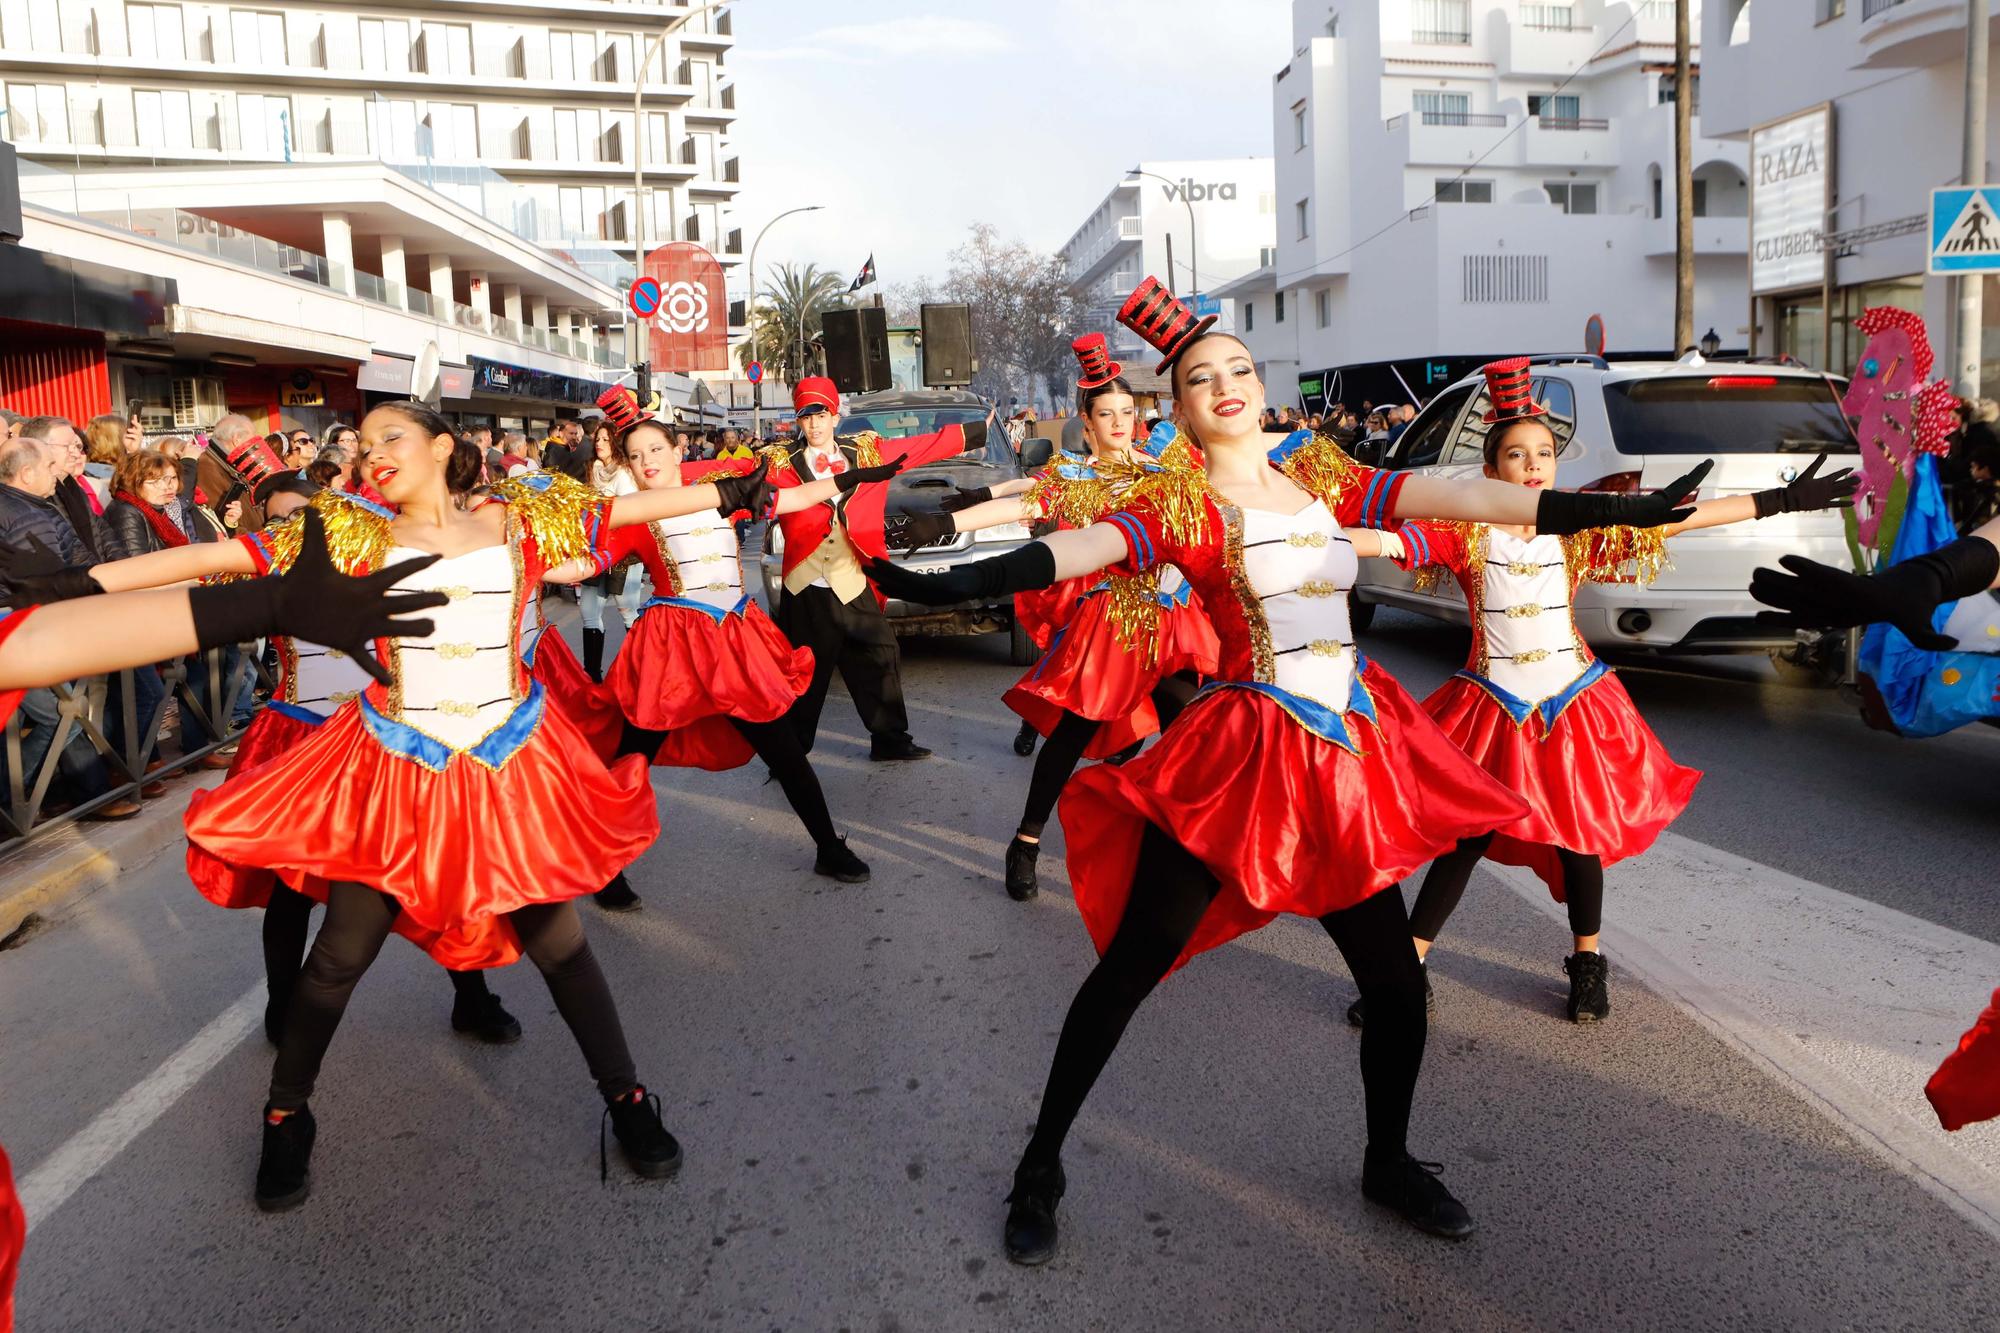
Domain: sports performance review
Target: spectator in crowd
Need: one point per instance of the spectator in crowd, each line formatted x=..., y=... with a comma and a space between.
x=343, y=466
x=207, y=475
x=297, y=456
x=512, y=451
x=565, y=441
x=681, y=441
x=77, y=501
x=481, y=438
x=1313, y=422
x=144, y=513
x=323, y=473
x=104, y=447
x=1274, y=423
x=733, y=448
x=10, y=425
x=341, y=435
x=283, y=494
x=277, y=443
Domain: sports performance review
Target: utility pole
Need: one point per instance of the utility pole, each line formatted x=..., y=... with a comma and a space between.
x=1683, y=182
x=1972, y=171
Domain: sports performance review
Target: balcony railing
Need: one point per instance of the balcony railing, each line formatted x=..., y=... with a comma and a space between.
x=1572, y=123
x=1486, y=119
x=1870, y=8
x=1549, y=18
x=1440, y=37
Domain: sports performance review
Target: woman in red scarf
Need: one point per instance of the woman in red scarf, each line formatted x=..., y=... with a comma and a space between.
x=142, y=511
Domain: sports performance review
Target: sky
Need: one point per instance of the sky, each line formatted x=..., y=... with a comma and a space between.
x=909, y=122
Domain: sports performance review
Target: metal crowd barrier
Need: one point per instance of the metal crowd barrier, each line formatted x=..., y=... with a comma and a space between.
x=86, y=704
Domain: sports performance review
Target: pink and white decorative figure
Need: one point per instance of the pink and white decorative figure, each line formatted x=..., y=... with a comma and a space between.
x=1895, y=414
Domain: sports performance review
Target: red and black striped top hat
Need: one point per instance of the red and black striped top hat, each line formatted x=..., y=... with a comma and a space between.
x=1098, y=367
x=1162, y=319
x=621, y=408
x=1507, y=388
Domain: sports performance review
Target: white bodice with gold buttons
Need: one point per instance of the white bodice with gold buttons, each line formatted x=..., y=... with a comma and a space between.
x=457, y=684
x=1299, y=568
x=1529, y=648
x=703, y=546
x=322, y=679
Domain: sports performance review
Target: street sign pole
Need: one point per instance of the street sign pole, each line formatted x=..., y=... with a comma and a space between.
x=1972, y=171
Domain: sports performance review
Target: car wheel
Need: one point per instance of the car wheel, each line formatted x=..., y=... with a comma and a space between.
x=1360, y=614
x=1021, y=650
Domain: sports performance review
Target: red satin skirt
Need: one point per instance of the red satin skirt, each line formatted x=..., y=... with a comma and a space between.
x=1287, y=821
x=13, y=1235
x=1090, y=671
x=681, y=672
x=1966, y=1087
x=270, y=735
x=569, y=687
x=1598, y=781
x=1043, y=612
x=456, y=848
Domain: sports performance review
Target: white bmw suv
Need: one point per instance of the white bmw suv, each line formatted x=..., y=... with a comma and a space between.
x=1631, y=426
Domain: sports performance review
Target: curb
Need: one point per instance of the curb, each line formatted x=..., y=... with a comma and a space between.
x=79, y=859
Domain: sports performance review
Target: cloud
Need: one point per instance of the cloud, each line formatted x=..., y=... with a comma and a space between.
x=922, y=37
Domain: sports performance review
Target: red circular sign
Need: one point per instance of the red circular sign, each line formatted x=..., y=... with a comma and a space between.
x=644, y=297
x=756, y=372
x=1593, y=335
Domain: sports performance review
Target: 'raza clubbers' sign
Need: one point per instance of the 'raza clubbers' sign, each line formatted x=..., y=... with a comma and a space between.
x=1791, y=178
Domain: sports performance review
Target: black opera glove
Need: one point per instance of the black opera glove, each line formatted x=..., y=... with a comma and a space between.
x=857, y=476
x=37, y=576
x=1020, y=570
x=913, y=532
x=1816, y=596
x=1563, y=512
x=316, y=602
x=1809, y=491
x=958, y=500
x=751, y=491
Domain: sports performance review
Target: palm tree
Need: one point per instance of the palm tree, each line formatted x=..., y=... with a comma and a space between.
x=787, y=318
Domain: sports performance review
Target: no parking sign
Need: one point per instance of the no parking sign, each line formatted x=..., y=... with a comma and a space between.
x=644, y=297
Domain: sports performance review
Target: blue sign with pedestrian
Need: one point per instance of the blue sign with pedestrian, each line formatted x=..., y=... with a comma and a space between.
x=1965, y=230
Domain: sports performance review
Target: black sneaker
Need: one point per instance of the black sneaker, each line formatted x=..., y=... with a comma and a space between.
x=284, y=1174
x=1031, y=1213
x=634, y=1120
x=1412, y=1188
x=836, y=861
x=484, y=1017
x=883, y=752
x=1024, y=740
x=1588, y=998
x=617, y=896
x=1021, y=882
x=1356, y=1011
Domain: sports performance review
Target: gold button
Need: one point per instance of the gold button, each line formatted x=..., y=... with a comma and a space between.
x=1326, y=647
x=1318, y=588
x=1526, y=569
x=456, y=652
x=1313, y=539
x=454, y=708
x=1523, y=611
x=458, y=592
x=1533, y=655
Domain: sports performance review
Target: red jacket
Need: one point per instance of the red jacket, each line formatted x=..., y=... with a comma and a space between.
x=862, y=511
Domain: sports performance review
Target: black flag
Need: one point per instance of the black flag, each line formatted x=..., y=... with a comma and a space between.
x=866, y=276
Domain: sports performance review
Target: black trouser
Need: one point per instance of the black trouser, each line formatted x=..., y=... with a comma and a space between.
x=854, y=636
x=359, y=918
x=777, y=745
x=1170, y=892
x=1444, y=885
x=1072, y=735
x=286, y=918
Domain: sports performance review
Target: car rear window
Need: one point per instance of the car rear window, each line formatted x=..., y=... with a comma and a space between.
x=1726, y=413
x=890, y=422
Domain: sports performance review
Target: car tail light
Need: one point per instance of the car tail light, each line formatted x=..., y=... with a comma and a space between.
x=1742, y=381
x=1618, y=483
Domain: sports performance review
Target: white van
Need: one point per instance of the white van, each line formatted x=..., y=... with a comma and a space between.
x=1632, y=426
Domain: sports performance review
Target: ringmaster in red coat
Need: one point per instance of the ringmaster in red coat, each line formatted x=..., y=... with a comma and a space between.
x=828, y=604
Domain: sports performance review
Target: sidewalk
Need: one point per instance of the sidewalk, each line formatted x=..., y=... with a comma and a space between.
x=55, y=870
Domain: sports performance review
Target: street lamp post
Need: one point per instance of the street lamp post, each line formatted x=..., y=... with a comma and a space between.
x=637, y=351
x=750, y=312
x=1194, y=255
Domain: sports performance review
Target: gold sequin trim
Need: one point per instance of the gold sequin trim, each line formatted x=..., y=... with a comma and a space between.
x=675, y=586
x=1523, y=611
x=1263, y=657
x=457, y=708
x=1312, y=539
x=1326, y=647
x=1318, y=588
x=458, y=592
x=1534, y=655
x=456, y=652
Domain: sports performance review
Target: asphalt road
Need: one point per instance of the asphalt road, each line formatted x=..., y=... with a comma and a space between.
x=853, y=1071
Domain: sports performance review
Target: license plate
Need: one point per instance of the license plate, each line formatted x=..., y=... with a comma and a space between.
x=927, y=569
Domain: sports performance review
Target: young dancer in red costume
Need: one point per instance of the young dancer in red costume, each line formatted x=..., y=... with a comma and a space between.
x=405, y=778
x=1536, y=709
x=1303, y=780
x=45, y=644
x=1966, y=1087
x=1094, y=694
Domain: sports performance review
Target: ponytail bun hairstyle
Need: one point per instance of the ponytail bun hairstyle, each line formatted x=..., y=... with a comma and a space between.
x=464, y=469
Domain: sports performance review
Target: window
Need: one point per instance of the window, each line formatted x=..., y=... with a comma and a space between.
x=385, y=45
x=572, y=56
x=1669, y=94
x=1659, y=192
x=445, y=48
x=1739, y=35
x=1423, y=442
x=1829, y=10
x=1464, y=192
x=1323, y=307
x=37, y=113
x=1302, y=214
x=1552, y=18
x=30, y=25
x=1278, y=304
x=1249, y=317
x=263, y=125
x=165, y=119
x=1563, y=109
x=153, y=32
x=1572, y=196
x=86, y=118
x=1298, y=126
x=259, y=37
x=454, y=132
x=1701, y=199
x=1441, y=22
x=1434, y=108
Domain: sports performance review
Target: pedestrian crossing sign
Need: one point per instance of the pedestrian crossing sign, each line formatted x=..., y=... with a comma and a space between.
x=1965, y=230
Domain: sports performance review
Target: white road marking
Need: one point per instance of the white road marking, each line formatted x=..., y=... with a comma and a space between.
x=49, y=1186
x=1846, y=1002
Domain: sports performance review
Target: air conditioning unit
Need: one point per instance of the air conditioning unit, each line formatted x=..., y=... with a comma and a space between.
x=198, y=402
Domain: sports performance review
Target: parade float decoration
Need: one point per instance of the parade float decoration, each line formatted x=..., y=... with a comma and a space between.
x=1903, y=422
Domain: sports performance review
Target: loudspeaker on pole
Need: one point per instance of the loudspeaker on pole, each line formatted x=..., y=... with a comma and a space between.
x=949, y=355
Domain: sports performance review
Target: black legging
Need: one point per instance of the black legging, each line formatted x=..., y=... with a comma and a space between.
x=286, y=919
x=359, y=918
x=1063, y=750
x=1444, y=885
x=777, y=744
x=1170, y=892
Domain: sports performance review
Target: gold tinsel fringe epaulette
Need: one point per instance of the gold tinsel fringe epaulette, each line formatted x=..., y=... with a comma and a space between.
x=1616, y=555
x=777, y=455
x=868, y=449
x=556, y=512
x=1078, y=502
x=1134, y=614
x=357, y=535
x=1177, y=496
x=1432, y=577
x=1322, y=468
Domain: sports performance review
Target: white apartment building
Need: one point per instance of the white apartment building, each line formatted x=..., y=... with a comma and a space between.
x=1890, y=75
x=522, y=112
x=1470, y=178
x=1216, y=218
